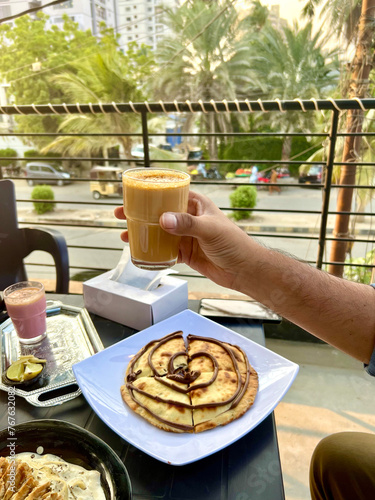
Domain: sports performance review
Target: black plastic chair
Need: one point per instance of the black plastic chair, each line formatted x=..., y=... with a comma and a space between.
x=16, y=244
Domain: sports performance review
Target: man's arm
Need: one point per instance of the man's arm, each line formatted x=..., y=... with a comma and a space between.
x=337, y=311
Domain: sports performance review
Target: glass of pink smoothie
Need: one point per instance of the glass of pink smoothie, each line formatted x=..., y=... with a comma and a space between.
x=26, y=306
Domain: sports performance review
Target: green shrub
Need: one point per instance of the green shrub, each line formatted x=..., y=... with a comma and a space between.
x=43, y=192
x=49, y=156
x=5, y=154
x=357, y=273
x=265, y=148
x=252, y=148
x=243, y=197
x=31, y=153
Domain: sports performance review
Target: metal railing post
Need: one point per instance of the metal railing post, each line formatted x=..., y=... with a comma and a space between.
x=327, y=187
x=146, y=149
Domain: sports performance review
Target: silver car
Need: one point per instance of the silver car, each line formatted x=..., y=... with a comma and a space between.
x=49, y=174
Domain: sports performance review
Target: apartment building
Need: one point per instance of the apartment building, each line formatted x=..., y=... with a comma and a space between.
x=141, y=21
x=136, y=21
x=87, y=13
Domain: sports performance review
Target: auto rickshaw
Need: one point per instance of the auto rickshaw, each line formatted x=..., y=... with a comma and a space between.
x=104, y=181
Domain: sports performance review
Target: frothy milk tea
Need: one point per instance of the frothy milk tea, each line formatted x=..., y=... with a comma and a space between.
x=148, y=193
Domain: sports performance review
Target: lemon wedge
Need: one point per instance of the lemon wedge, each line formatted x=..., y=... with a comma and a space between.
x=15, y=372
x=30, y=358
x=25, y=368
x=32, y=370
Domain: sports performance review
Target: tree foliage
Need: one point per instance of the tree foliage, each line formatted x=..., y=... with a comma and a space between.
x=32, y=40
x=340, y=16
x=204, y=58
x=108, y=77
x=75, y=67
x=291, y=63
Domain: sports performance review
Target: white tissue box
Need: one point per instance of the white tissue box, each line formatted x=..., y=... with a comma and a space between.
x=132, y=306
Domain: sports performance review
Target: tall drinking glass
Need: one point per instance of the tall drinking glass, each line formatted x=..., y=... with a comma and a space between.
x=26, y=306
x=148, y=193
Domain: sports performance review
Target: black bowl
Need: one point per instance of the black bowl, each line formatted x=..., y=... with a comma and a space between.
x=26, y=383
x=75, y=445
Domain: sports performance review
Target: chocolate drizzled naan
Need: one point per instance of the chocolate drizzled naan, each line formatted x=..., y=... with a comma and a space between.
x=189, y=389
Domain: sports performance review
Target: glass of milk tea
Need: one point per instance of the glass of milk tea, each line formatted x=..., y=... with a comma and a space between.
x=26, y=305
x=148, y=193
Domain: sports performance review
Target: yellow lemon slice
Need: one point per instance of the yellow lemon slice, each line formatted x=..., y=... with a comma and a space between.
x=15, y=372
x=30, y=358
x=32, y=370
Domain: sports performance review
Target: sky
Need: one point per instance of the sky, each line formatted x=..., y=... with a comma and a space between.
x=289, y=9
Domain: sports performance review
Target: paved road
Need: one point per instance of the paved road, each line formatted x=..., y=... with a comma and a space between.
x=291, y=197
x=77, y=191
x=294, y=197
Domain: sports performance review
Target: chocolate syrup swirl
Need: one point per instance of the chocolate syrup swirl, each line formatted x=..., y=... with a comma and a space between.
x=185, y=377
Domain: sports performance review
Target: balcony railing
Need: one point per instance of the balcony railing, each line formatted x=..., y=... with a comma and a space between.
x=145, y=110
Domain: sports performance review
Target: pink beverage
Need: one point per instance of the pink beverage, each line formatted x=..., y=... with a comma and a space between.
x=26, y=306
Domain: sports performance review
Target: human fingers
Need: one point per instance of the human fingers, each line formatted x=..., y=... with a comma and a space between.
x=119, y=213
x=124, y=236
x=199, y=204
x=185, y=224
x=198, y=222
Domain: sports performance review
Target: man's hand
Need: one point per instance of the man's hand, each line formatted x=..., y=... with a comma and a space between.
x=210, y=243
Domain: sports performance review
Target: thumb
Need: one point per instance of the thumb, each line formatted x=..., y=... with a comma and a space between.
x=182, y=224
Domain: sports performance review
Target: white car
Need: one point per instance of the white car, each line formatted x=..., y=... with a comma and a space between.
x=137, y=151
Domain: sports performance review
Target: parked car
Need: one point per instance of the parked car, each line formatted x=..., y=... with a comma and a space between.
x=49, y=174
x=283, y=172
x=137, y=153
x=165, y=146
x=194, y=154
x=312, y=176
x=156, y=153
x=264, y=176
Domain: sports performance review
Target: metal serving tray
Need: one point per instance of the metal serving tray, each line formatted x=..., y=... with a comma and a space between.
x=71, y=337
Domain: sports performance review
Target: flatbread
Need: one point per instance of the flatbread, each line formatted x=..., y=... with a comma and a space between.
x=160, y=413
x=190, y=388
x=160, y=357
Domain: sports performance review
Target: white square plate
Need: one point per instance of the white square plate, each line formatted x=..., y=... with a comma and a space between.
x=101, y=376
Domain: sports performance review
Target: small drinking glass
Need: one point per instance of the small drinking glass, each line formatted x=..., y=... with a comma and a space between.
x=26, y=305
x=148, y=193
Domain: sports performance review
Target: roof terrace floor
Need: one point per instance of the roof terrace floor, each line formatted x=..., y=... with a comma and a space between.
x=332, y=393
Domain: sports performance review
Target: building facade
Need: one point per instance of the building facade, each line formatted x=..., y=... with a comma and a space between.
x=87, y=13
x=141, y=21
x=135, y=21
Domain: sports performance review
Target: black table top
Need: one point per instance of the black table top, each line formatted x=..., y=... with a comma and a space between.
x=247, y=469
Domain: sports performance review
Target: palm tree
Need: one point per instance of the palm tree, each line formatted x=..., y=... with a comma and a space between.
x=341, y=16
x=202, y=59
x=357, y=85
x=291, y=63
x=105, y=77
